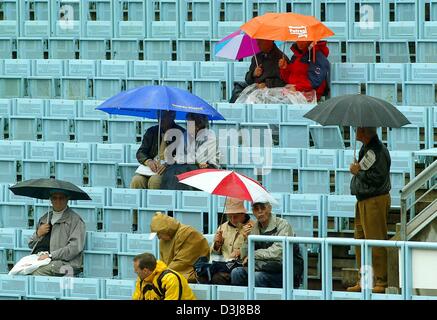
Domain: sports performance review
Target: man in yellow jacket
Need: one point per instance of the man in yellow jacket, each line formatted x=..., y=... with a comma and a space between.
x=157, y=282
x=180, y=245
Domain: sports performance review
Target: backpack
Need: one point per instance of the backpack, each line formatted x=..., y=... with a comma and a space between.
x=160, y=291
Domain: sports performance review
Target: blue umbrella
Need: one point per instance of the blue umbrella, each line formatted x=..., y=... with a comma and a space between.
x=147, y=101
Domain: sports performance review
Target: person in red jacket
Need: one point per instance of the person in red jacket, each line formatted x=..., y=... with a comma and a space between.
x=304, y=73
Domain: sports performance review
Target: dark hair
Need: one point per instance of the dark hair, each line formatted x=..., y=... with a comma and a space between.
x=200, y=120
x=146, y=260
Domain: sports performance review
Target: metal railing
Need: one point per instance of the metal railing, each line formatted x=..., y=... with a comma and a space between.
x=426, y=175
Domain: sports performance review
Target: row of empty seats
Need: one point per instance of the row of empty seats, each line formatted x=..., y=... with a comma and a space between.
x=356, y=19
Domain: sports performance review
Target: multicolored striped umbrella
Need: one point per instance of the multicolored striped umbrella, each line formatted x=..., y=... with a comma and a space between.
x=236, y=46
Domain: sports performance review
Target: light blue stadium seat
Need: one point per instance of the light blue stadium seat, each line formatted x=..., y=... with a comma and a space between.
x=368, y=24
x=28, y=107
x=35, y=169
x=48, y=287
x=250, y=157
x=129, y=198
x=105, y=88
x=98, y=264
x=139, y=243
x=145, y=216
x=230, y=293
x=340, y=88
x=202, y=291
x=70, y=170
x=314, y=158
x=361, y=51
x=125, y=49
x=98, y=197
x=97, y=19
x=88, y=130
x=327, y=137
x=405, y=138
x=122, y=131
x=280, y=177
x=336, y=13
x=233, y=111
x=190, y=49
x=104, y=241
x=14, y=215
x=195, y=19
x=394, y=51
x=425, y=50
x=61, y=108
x=383, y=90
x=8, y=170
x=93, y=49
x=117, y=219
x=75, y=151
x=302, y=206
x=269, y=294
x=227, y=133
x=17, y=285
x=131, y=153
x=109, y=152
x=421, y=72
x=8, y=237
x=350, y=72
x=75, y=88
x=30, y=48
x=83, y=288
x=135, y=83
x=418, y=93
x=162, y=19
x=343, y=179
x=233, y=17
x=56, y=129
x=112, y=68
x=405, y=22
x=269, y=113
x=194, y=200
x=125, y=265
x=158, y=49
x=181, y=84
x=294, y=135
x=42, y=150
x=213, y=70
x=87, y=109
x=239, y=70
x=22, y=249
x=10, y=22
x=41, y=87
x=336, y=53
x=194, y=218
x=397, y=181
x=179, y=70
x=387, y=72
x=6, y=48
x=3, y=261
x=127, y=171
x=259, y=7
x=39, y=210
x=103, y=174
x=428, y=29
x=129, y=19
x=47, y=68
x=36, y=18
x=23, y=128
x=88, y=215
x=314, y=180
x=62, y=48
x=69, y=25
x=295, y=113
x=338, y=206
x=119, y=289
x=11, y=86
x=210, y=90
x=145, y=69
x=161, y=200
x=80, y=68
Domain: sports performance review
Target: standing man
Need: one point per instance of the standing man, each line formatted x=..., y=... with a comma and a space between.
x=371, y=185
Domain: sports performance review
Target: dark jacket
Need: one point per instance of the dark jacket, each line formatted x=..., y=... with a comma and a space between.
x=374, y=181
x=149, y=144
x=269, y=61
x=305, y=74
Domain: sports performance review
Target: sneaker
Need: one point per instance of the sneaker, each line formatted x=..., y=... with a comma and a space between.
x=355, y=288
x=378, y=289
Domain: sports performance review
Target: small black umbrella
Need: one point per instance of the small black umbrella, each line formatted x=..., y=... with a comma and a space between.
x=357, y=110
x=42, y=188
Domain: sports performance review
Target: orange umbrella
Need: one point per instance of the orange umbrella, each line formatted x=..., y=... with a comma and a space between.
x=286, y=27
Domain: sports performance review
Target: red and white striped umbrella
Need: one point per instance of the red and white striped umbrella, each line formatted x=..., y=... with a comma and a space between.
x=226, y=183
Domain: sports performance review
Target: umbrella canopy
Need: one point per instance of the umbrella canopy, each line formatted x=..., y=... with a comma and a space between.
x=226, y=183
x=287, y=26
x=357, y=110
x=236, y=46
x=147, y=101
x=42, y=188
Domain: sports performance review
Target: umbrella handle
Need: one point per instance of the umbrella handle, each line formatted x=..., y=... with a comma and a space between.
x=224, y=209
x=254, y=54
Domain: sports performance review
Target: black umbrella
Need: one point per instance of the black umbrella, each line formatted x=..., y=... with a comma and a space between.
x=42, y=188
x=357, y=110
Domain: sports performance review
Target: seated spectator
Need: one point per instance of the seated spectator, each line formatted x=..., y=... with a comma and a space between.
x=61, y=233
x=268, y=256
x=229, y=238
x=156, y=281
x=148, y=154
x=180, y=245
x=266, y=73
x=303, y=74
x=196, y=149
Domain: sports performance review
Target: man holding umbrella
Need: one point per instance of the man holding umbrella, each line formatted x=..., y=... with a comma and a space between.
x=371, y=186
x=61, y=233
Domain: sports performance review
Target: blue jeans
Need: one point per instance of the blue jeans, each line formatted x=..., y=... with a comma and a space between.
x=262, y=279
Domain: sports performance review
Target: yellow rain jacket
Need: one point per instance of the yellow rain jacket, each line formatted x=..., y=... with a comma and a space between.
x=173, y=286
x=185, y=247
